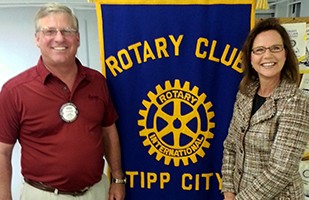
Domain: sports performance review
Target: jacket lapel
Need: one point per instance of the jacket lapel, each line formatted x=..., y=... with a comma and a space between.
x=265, y=112
x=269, y=109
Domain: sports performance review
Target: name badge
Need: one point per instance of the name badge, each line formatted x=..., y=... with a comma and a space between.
x=68, y=112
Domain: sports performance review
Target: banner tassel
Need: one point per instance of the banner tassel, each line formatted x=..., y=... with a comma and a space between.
x=262, y=5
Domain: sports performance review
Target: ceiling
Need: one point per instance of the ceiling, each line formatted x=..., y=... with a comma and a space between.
x=80, y=3
x=68, y=1
x=23, y=3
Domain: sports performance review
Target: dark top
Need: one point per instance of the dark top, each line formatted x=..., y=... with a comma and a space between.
x=258, y=101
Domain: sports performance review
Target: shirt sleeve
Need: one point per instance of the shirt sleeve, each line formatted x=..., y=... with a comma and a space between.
x=9, y=123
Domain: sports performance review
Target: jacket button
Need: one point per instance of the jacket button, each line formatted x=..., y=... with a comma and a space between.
x=242, y=129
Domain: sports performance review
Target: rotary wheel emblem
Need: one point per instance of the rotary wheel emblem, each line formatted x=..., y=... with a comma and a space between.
x=176, y=123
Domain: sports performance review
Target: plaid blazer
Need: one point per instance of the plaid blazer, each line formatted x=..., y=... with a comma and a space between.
x=262, y=152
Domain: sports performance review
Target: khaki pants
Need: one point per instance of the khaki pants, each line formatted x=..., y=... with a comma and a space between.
x=99, y=191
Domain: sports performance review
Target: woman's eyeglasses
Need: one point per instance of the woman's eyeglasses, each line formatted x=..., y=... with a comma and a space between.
x=273, y=49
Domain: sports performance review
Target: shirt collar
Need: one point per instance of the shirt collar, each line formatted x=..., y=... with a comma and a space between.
x=45, y=74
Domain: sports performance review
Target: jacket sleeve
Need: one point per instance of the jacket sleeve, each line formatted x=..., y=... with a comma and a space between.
x=228, y=161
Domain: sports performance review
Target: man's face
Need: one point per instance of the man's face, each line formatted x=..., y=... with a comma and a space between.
x=57, y=39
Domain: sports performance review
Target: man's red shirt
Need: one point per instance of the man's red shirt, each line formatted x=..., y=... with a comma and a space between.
x=67, y=156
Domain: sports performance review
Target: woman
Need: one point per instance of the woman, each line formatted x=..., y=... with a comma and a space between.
x=270, y=124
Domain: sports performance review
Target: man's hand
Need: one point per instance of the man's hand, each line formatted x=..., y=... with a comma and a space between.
x=117, y=191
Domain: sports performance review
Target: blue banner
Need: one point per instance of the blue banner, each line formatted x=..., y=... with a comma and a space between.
x=173, y=69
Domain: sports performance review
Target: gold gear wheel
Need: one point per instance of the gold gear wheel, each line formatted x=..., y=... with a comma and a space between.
x=176, y=124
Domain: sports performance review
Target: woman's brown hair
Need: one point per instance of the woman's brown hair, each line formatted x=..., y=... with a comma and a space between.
x=290, y=70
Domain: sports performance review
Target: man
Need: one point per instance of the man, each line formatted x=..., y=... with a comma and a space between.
x=63, y=117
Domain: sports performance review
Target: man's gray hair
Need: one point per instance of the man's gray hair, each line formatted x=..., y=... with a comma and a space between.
x=51, y=8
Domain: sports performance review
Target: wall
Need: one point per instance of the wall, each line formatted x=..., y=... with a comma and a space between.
x=304, y=8
x=283, y=8
x=18, y=51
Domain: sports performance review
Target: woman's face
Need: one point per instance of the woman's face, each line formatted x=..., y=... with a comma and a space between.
x=268, y=55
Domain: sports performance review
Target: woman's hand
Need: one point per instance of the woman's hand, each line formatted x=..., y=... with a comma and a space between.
x=229, y=196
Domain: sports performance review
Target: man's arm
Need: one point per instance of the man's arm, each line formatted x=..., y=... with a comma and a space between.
x=113, y=156
x=5, y=171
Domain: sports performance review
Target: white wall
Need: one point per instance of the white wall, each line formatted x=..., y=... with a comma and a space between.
x=18, y=51
x=282, y=8
x=304, y=10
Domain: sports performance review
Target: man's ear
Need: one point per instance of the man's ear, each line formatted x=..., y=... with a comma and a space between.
x=37, y=39
x=78, y=39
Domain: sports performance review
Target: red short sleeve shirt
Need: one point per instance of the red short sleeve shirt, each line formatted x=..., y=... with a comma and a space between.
x=67, y=156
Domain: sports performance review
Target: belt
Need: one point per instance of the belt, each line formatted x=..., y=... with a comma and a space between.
x=42, y=186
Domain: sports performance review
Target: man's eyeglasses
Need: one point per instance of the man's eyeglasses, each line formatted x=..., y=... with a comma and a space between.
x=52, y=32
x=274, y=49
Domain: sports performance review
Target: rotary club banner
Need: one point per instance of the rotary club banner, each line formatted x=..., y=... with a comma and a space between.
x=173, y=69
